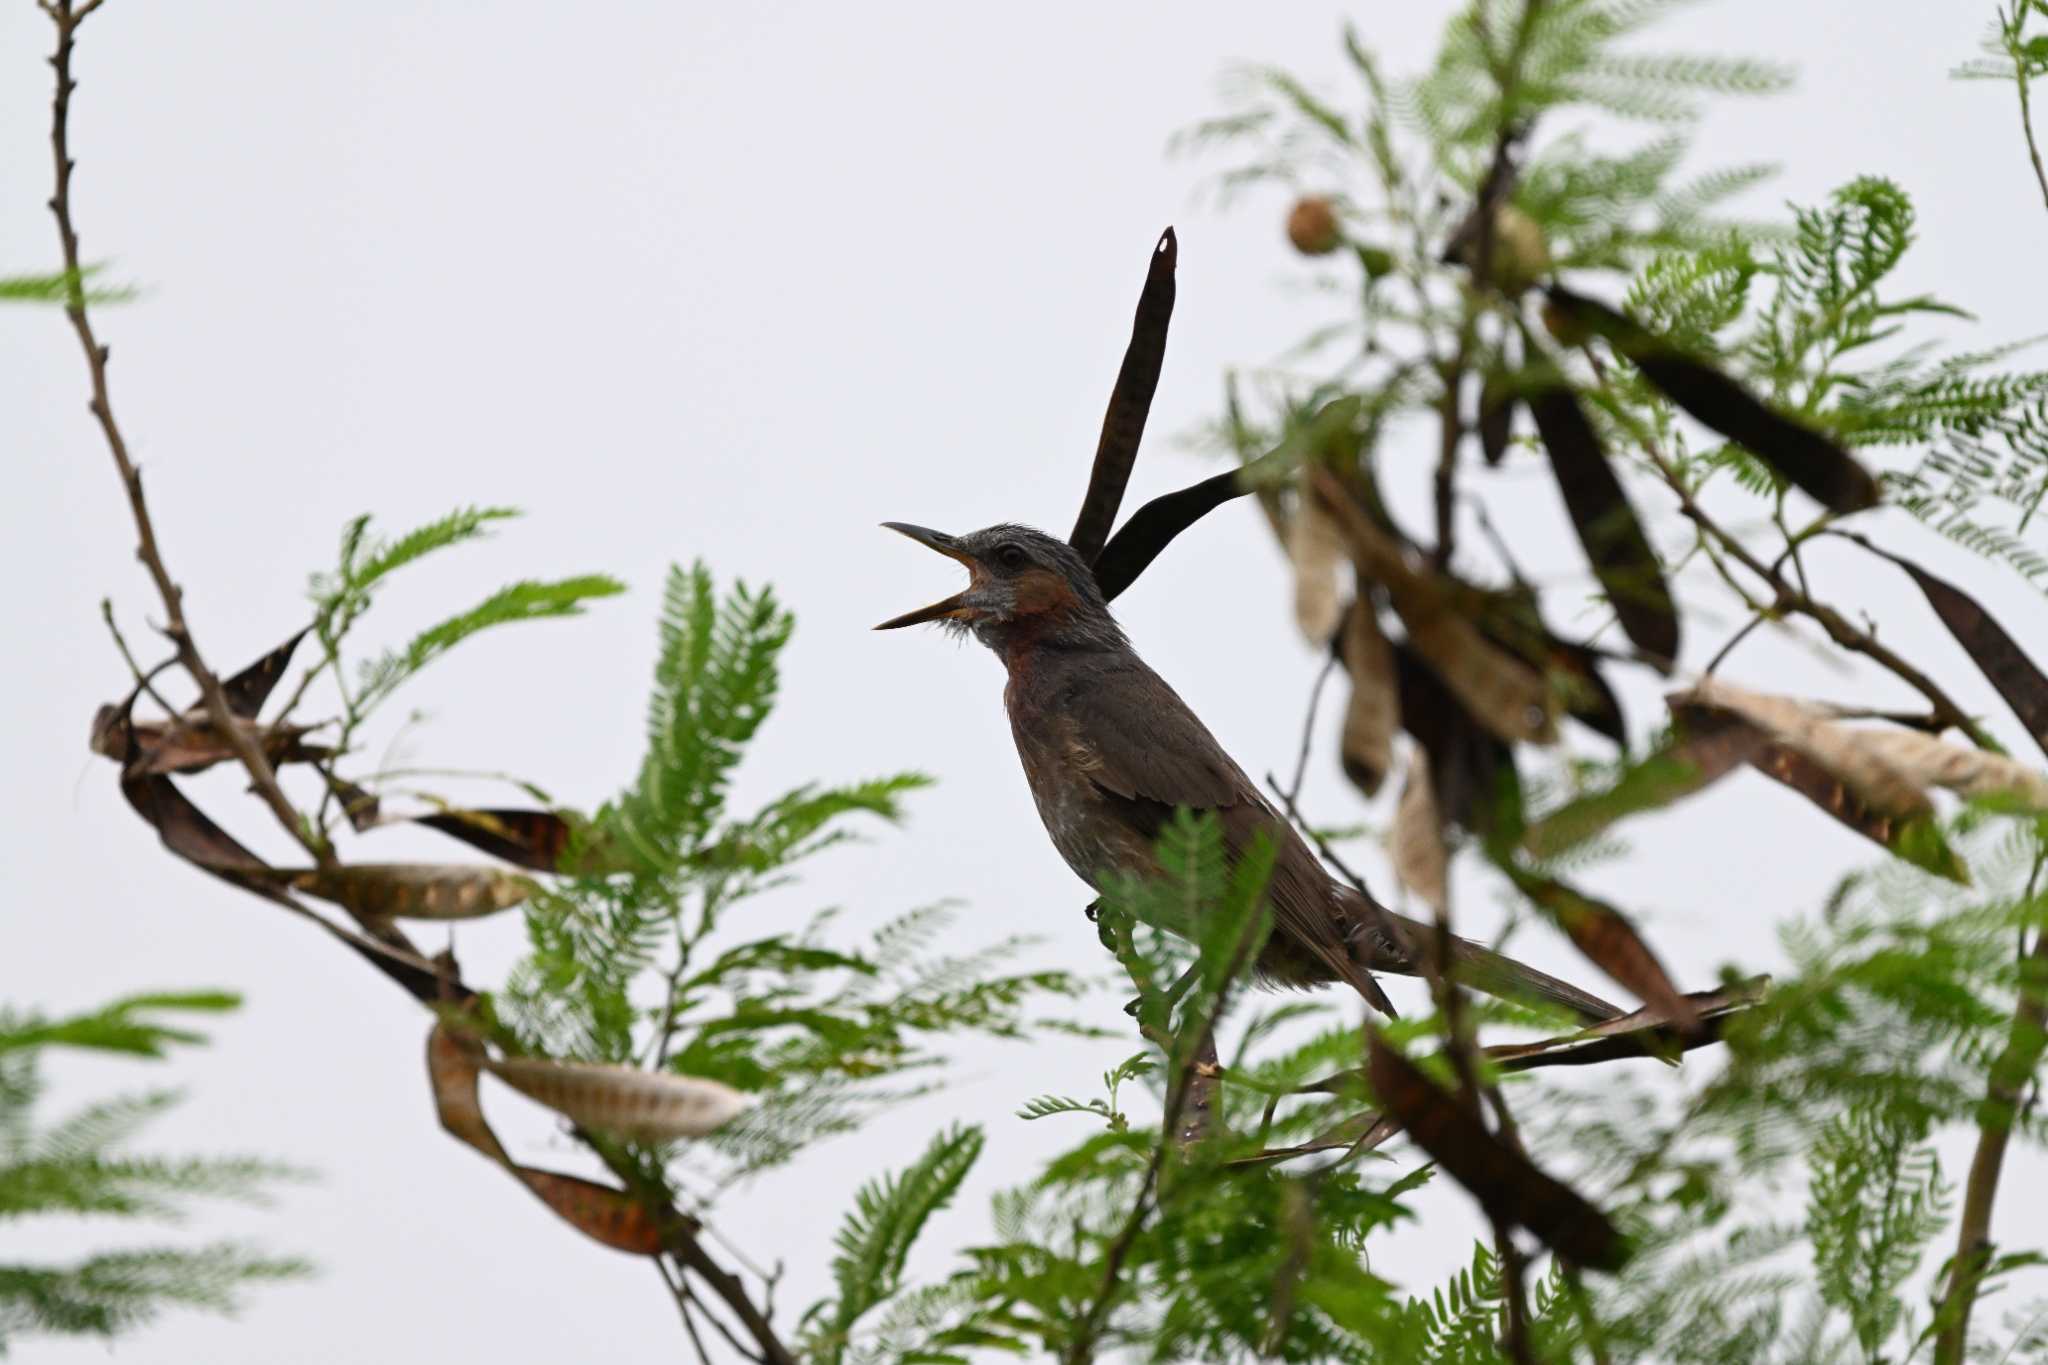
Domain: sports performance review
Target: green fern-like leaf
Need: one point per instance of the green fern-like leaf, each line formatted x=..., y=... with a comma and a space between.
x=529, y=601
x=887, y=1216
x=714, y=682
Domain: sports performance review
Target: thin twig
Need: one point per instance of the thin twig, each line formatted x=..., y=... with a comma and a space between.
x=2015, y=25
x=1308, y=724
x=1791, y=599
x=146, y=681
x=718, y=1325
x=732, y=1291
x=682, y=1297
x=2007, y=1082
x=67, y=19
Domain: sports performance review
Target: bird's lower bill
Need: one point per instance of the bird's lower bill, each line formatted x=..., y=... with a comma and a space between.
x=954, y=608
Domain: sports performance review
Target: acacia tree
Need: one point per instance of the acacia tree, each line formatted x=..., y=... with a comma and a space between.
x=1221, y=1204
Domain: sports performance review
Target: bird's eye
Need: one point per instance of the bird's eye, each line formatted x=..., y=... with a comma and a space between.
x=1011, y=555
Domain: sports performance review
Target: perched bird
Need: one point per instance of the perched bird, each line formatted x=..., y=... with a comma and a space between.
x=1110, y=751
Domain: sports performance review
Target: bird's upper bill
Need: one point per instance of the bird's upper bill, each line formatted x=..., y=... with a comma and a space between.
x=954, y=608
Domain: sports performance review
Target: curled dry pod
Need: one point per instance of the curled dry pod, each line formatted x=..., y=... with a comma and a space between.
x=1506, y=695
x=1807, y=458
x=1510, y=1187
x=1496, y=418
x=1956, y=767
x=1811, y=731
x=1606, y=523
x=415, y=890
x=644, y=1106
x=1421, y=860
x=1130, y=402
x=1316, y=547
x=1374, y=710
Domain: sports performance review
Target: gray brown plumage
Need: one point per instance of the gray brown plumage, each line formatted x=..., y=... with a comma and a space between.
x=1110, y=751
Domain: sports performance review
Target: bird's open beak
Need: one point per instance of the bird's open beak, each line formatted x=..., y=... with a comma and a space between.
x=954, y=607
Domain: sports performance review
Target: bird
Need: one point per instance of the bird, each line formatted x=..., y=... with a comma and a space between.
x=1110, y=752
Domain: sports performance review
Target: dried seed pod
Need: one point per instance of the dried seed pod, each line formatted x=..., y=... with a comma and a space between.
x=645, y=1106
x=1374, y=710
x=1316, y=546
x=1421, y=859
x=415, y=890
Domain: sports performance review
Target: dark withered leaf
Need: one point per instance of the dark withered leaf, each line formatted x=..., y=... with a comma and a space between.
x=532, y=839
x=248, y=690
x=1512, y=620
x=1123, y=425
x=191, y=744
x=2016, y=677
x=1591, y=699
x=185, y=829
x=1810, y=460
x=1609, y=940
x=1152, y=528
x=1606, y=524
x=1912, y=835
x=607, y=1216
x=1505, y=693
x=1496, y=422
x=1507, y=1184
x=188, y=832
x=359, y=805
x=1471, y=770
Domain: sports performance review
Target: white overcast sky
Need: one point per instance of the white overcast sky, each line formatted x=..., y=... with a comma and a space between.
x=734, y=282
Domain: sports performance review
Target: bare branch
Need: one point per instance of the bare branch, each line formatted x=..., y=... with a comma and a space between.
x=67, y=19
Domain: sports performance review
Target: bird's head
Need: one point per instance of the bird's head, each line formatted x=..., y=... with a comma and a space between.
x=1021, y=583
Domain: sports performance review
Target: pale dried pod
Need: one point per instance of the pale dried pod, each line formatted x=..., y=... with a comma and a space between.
x=1316, y=547
x=1421, y=859
x=1374, y=711
x=431, y=891
x=1955, y=767
x=643, y=1106
x=1847, y=753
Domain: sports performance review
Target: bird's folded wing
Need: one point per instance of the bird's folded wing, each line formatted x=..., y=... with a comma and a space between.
x=1159, y=756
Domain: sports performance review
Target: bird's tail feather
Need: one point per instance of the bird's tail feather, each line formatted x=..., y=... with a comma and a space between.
x=1483, y=969
x=1388, y=942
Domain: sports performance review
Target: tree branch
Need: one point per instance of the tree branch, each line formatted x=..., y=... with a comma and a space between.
x=67, y=18
x=731, y=1290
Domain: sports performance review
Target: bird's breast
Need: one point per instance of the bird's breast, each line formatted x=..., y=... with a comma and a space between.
x=1076, y=815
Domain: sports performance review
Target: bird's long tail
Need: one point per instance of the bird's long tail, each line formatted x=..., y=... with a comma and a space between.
x=1478, y=966
x=1483, y=969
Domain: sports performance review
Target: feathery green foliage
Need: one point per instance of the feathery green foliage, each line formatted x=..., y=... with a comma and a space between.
x=80, y=1165
x=874, y=1241
x=640, y=960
